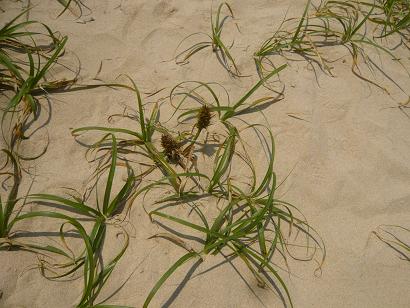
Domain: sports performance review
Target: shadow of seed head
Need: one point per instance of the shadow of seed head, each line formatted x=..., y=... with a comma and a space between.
x=169, y=144
x=204, y=117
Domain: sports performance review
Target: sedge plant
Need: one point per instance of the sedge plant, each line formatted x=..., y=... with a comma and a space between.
x=391, y=17
x=95, y=272
x=105, y=211
x=215, y=42
x=252, y=224
x=330, y=24
x=23, y=81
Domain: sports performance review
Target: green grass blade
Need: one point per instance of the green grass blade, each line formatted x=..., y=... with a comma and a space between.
x=231, y=113
x=299, y=27
x=107, y=129
x=80, y=207
x=166, y=275
x=111, y=174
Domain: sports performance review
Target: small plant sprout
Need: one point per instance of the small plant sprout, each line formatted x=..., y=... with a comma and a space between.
x=215, y=42
x=70, y=5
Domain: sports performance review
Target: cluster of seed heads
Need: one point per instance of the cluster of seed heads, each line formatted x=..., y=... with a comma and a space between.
x=172, y=147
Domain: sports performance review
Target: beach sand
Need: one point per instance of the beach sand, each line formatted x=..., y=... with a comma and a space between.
x=340, y=145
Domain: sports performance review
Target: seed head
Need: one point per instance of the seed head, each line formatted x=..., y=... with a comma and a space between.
x=169, y=144
x=204, y=117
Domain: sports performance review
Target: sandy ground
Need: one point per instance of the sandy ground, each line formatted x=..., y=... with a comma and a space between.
x=349, y=157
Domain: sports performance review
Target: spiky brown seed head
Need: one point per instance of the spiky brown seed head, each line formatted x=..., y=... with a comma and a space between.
x=204, y=117
x=169, y=144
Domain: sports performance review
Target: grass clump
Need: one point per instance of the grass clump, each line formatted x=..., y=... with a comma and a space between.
x=392, y=17
x=23, y=77
x=330, y=24
x=95, y=271
x=250, y=222
x=297, y=39
x=111, y=205
x=397, y=14
x=215, y=42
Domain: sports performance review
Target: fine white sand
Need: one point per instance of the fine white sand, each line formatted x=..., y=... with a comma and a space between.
x=346, y=157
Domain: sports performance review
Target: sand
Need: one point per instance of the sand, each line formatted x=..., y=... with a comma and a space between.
x=346, y=160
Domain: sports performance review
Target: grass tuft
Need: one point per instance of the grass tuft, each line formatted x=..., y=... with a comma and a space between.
x=214, y=41
x=24, y=81
x=250, y=223
x=331, y=24
x=96, y=271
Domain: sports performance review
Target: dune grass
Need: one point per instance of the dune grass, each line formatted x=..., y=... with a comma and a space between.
x=24, y=66
x=297, y=39
x=330, y=24
x=252, y=224
x=110, y=206
x=95, y=271
x=249, y=226
x=397, y=20
x=214, y=41
x=25, y=70
x=149, y=126
x=393, y=17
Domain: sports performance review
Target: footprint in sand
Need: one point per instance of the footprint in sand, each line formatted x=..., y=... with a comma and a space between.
x=164, y=9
